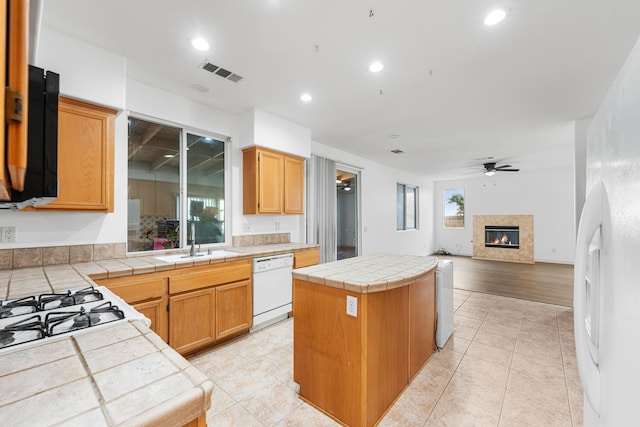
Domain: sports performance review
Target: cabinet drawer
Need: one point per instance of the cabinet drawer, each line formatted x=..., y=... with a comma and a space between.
x=205, y=279
x=306, y=258
x=133, y=291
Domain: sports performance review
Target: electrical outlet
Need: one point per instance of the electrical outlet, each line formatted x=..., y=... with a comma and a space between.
x=8, y=234
x=246, y=227
x=277, y=225
x=352, y=306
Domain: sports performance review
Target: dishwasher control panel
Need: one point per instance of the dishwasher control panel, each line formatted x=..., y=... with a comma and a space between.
x=272, y=262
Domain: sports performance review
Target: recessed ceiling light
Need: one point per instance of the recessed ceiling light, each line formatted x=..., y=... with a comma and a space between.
x=495, y=16
x=169, y=156
x=200, y=44
x=394, y=136
x=305, y=97
x=376, y=67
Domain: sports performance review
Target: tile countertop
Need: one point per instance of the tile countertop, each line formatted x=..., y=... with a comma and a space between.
x=22, y=282
x=118, y=375
x=369, y=273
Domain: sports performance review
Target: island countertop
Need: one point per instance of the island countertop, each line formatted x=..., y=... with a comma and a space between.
x=119, y=375
x=369, y=273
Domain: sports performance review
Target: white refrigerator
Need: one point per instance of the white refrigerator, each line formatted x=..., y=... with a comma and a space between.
x=607, y=265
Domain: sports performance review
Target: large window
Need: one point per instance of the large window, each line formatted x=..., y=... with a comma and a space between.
x=164, y=159
x=406, y=207
x=453, y=208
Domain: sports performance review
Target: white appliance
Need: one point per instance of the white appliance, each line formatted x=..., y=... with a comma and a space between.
x=607, y=264
x=444, y=301
x=34, y=319
x=272, y=289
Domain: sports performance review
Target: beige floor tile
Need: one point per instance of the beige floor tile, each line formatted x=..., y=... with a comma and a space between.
x=468, y=322
x=464, y=332
x=307, y=416
x=538, y=327
x=503, y=326
x=467, y=387
x=482, y=307
x=486, y=372
x=220, y=401
x=218, y=364
x=457, y=344
x=576, y=402
x=474, y=314
x=434, y=376
x=453, y=411
x=538, y=389
x=533, y=349
x=552, y=371
x=490, y=354
x=518, y=408
x=272, y=403
x=419, y=400
x=446, y=358
x=399, y=416
x=243, y=382
x=509, y=312
x=496, y=340
x=234, y=416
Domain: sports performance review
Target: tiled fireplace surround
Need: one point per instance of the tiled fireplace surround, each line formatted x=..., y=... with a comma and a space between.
x=40, y=256
x=523, y=254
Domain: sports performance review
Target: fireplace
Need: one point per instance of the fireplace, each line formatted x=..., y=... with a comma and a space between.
x=501, y=236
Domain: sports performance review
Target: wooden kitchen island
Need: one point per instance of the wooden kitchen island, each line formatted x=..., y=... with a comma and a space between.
x=353, y=368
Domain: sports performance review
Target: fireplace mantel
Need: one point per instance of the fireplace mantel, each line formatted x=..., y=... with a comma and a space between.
x=523, y=254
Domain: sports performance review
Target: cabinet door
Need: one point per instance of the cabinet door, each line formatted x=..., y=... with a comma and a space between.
x=156, y=311
x=191, y=320
x=293, y=185
x=233, y=308
x=270, y=183
x=85, y=157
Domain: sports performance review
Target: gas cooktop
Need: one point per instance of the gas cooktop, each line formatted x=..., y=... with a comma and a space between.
x=45, y=316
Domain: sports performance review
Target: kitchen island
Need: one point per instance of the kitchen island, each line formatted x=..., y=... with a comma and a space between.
x=119, y=375
x=363, y=328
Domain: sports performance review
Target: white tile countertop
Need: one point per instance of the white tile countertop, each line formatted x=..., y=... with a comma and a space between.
x=119, y=375
x=369, y=273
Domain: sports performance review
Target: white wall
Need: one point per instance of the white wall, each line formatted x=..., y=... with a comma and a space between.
x=378, y=190
x=547, y=195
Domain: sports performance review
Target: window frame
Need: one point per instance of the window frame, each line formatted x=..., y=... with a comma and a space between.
x=452, y=191
x=183, y=175
x=416, y=206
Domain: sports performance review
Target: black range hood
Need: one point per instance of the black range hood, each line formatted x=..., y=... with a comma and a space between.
x=41, y=179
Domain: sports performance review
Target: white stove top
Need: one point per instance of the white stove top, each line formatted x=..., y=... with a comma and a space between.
x=44, y=317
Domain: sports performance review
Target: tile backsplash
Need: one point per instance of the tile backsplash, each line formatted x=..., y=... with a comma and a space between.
x=261, y=239
x=37, y=257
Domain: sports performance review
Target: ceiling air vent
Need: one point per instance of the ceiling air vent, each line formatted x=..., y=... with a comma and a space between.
x=226, y=74
x=397, y=151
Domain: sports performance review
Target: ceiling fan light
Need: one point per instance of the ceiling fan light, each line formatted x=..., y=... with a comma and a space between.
x=490, y=173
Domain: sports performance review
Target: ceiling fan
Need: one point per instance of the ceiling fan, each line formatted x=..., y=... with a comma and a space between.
x=490, y=169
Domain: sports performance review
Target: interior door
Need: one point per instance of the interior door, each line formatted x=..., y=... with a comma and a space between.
x=348, y=212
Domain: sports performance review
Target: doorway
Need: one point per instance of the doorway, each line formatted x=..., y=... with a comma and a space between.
x=347, y=207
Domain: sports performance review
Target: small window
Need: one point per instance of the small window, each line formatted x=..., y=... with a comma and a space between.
x=406, y=207
x=453, y=208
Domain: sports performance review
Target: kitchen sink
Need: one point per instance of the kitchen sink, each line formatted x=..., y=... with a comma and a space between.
x=200, y=255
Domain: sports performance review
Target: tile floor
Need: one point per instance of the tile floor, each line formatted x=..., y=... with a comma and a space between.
x=509, y=362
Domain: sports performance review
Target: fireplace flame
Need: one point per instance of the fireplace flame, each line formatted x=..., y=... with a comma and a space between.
x=504, y=240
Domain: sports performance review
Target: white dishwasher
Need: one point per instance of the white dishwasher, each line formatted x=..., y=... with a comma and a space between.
x=272, y=289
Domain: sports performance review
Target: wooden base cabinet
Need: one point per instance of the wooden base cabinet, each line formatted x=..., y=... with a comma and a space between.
x=191, y=320
x=156, y=311
x=354, y=368
x=233, y=308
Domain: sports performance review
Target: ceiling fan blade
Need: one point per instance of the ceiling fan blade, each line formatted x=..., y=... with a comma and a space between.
x=507, y=170
x=503, y=166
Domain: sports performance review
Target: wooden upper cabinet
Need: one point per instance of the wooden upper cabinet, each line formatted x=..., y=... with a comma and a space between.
x=86, y=140
x=273, y=182
x=293, y=185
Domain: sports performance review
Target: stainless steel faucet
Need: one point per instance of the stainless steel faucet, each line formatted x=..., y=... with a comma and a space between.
x=192, y=252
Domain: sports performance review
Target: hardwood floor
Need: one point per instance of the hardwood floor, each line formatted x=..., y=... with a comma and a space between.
x=543, y=282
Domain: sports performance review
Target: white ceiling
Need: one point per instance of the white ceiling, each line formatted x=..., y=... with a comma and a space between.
x=454, y=90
